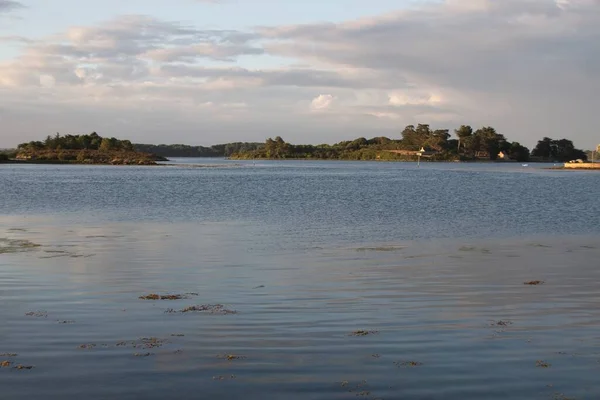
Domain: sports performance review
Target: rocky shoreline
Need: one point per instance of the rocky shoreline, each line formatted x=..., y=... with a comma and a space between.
x=89, y=157
x=582, y=166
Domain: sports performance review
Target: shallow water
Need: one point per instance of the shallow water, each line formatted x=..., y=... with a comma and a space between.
x=429, y=259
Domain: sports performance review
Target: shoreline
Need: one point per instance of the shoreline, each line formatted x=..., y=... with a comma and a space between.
x=56, y=162
x=564, y=167
x=424, y=160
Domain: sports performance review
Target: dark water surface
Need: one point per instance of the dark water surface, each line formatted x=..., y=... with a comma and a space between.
x=432, y=260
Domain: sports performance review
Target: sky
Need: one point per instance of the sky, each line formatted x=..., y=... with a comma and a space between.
x=202, y=72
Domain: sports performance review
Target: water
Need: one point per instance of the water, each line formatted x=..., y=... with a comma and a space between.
x=307, y=253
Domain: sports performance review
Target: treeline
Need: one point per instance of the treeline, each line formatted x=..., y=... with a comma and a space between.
x=481, y=144
x=93, y=141
x=182, y=150
x=83, y=149
x=488, y=141
x=439, y=145
x=7, y=154
x=359, y=149
x=558, y=150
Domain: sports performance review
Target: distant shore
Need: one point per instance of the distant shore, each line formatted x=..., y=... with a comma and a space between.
x=59, y=162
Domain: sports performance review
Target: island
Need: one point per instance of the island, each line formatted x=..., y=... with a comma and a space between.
x=422, y=142
x=83, y=149
x=183, y=150
x=414, y=143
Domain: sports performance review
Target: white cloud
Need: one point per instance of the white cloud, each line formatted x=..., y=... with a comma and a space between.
x=469, y=5
x=322, y=102
x=47, y=81
x=384, y=115
x=403, y=99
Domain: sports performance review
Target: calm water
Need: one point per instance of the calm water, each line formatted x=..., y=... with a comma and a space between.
x=432, y=260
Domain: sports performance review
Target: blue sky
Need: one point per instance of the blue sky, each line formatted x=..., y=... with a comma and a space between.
x=43, y=17
x=202, y=72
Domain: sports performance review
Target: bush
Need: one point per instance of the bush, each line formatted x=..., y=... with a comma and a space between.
x=7, y=155
x=82, y=156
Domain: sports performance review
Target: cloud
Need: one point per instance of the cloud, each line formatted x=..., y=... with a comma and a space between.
x=47, y=81
x=322, y=102
x=402, y=99
x=379, y=114
x=192, y=54
x=123, y=50
x=527, y=67
x=518, y=64
x=9, y=5
x=15, y=39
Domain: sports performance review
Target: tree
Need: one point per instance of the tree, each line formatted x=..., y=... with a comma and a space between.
x=126, y=145
x=270, y=147
x=84, y=141
x=277, y=148
x=357, y=144
x=518, y=152
x=423, y=133
x=439, y=139
x=464, y=131
x=95, y=141
x=283, y=148
x=381, y=140
x=409, y=136
x=543, y=148
x=105, y=145
x=561, y=150
x=464, y=134
x=488, y=140
x=413, y=138
x=82, y=156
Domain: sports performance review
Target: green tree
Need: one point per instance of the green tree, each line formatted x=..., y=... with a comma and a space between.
x=126, y=145
x=561, y=150
x=105, y=145
x=357, y=144
x=415, y=138
x=489, y=140
x=82, y=156
x=95, y=141
x=423, y=133
x=464, y=134
x=270, y=148
x=518, y=152
x=409, y=136
x=439, y=139
x=543, y=148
